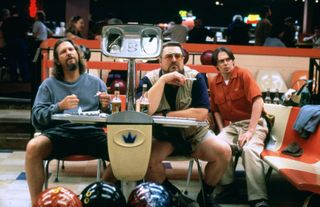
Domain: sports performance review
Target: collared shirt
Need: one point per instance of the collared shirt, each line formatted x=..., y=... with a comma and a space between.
x=234, y=101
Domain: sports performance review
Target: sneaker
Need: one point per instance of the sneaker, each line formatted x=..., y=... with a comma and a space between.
x=181, y=200
x=209, y=201
x=260, y=203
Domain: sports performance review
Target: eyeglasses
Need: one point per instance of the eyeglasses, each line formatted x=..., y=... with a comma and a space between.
x=228, y=60
x=177, y=56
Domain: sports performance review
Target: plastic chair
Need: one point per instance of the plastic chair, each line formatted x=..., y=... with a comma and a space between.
x=80, y=157
x=298, y=79
x=271, y=79
x=72, y=158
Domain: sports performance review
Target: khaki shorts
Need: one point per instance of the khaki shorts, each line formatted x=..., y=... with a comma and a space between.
x=182, y=146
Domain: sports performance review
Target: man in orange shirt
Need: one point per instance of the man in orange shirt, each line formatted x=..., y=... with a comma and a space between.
x=236, y=97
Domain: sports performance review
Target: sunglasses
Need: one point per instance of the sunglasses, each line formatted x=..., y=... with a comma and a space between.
x=177, y=56
x=228, y=60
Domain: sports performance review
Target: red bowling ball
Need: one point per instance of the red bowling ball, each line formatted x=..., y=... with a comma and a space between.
x=58, y=197
x=206, y=57
x=185, y=55
x=122, y=86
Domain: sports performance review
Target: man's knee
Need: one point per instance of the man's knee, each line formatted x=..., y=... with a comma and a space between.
x=39, y=146
x=223, y=150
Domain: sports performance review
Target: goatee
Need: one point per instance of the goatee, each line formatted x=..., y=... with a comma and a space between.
x=72, y=67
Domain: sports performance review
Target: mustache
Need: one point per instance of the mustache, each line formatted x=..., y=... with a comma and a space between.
x=173, y=65
x=70, y=58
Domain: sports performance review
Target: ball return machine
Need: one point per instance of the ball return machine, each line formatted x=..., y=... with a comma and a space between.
x=130, y=132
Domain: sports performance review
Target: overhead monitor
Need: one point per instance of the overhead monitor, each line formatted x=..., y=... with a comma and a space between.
x=131, y=41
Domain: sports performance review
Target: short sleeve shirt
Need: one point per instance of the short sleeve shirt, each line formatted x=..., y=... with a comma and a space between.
x=234, y=101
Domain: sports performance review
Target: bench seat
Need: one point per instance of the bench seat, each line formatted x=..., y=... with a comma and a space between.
x=304, y=171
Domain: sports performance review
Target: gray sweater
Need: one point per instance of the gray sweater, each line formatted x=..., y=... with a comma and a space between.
x=52, y=91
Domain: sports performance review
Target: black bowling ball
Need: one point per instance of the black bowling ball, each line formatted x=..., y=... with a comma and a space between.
x=102, y=194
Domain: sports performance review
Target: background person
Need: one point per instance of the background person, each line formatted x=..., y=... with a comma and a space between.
x=68, y=89
x=5, y=13
x=315, y=38
x=39, y=30
x=199, y=33
x=238, y=31
x=288, y=32
x=171, y=95
x=75, y=28
x=177, y=31
x=236, y=97
x=273, y=40
x=14, y=30
x=264, y=25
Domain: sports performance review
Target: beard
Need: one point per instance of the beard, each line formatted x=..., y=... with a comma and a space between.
x=72, y=67
x=72, y=64
x=174, y=67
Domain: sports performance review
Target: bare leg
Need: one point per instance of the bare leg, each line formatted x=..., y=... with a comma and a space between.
x=160, y=151
x=37, y=150
x=218, y=154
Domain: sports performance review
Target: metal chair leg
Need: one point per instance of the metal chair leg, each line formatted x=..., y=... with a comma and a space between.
x=99, y=169
x=307, y=200
x=236, y=159
x=46, y=175
x=201, y=180
x=188, y=176
x=104, y=164
x=268, y=175
x=57, y=173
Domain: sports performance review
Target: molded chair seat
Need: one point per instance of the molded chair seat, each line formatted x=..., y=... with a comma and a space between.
x=299, y=78
x=80, y=157
x=77, y=157
x=271, y=79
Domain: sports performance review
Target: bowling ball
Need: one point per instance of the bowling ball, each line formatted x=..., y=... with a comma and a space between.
x=58, y=197
x=206, y=57
x=86, y=52
x=122, y=86
x=102, y=194
x=149, y=194
x=185, y=55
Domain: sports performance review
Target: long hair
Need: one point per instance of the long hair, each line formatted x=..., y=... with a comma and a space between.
x=57, y=68
x=71, y=25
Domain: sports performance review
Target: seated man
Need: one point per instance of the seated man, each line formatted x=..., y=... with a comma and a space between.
x=236, y=97
x=172, y=94
x=68, y=90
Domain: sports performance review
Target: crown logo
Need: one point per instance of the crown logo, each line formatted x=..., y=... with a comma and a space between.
x=129, y=138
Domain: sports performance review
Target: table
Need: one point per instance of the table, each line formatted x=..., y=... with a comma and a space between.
x=103, y=118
